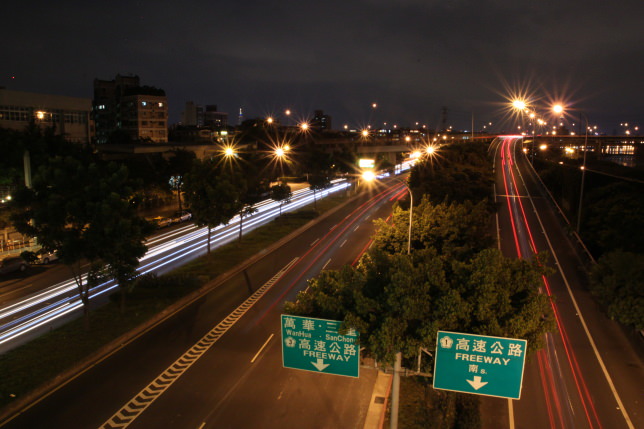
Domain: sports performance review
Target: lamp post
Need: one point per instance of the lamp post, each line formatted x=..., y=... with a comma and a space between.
x=411, y=212
x=395, y=393
x=583, y=175
x=395, y=388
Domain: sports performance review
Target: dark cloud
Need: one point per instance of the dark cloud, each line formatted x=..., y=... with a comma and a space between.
x=411, y=56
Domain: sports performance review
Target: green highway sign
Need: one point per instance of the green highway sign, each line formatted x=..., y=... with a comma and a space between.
x=315, y=345
x=479, y=364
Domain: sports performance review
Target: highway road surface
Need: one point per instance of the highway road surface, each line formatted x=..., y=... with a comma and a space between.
x=33, y=304
x=590, y=373
x=217, y=362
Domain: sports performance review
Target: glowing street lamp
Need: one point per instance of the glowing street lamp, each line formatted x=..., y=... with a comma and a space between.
x=368, y=176
x=430, y=150
x=558, y=108
x=519, y=104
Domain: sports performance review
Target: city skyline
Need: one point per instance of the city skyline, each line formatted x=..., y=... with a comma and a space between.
x=411, y=59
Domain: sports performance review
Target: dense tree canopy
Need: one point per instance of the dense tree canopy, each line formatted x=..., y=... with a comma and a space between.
x=86, y=213
x=214, y=193
x=397, y=302
x=616, y=281
x=452, y=280
x=281, y=193
x=452, y=229
x=457, y=172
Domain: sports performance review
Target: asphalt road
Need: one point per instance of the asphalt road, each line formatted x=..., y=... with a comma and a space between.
x=45, y=297
x=590, y=374
x=221, y=387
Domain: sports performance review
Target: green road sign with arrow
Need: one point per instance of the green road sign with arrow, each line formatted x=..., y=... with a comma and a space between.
x=479, y=364
x=316, y=345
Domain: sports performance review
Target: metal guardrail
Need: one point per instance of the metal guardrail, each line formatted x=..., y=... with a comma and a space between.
x=577, y=239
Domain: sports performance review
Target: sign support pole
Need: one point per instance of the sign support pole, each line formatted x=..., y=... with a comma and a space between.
x=395, y=392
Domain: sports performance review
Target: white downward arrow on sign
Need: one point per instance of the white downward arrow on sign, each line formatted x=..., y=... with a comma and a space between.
x=477, y=383
x=320, y=365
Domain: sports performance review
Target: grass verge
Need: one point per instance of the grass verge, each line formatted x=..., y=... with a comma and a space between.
x=42, y=359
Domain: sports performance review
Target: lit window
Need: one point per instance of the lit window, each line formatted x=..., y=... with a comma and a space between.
x=144, y=103
x=160, y=104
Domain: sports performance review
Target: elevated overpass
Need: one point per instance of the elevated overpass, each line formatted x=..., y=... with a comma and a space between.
x=388, y=147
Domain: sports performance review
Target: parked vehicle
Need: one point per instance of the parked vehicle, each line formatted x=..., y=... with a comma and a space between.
x=46, y=257
x=11, y=264
x=161, y=221
x=181, y=216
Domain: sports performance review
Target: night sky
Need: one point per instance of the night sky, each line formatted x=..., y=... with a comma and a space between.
x=411, y=57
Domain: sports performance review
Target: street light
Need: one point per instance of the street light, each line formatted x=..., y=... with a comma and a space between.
x=369, y=176
x=519, y=104
x=559, y=109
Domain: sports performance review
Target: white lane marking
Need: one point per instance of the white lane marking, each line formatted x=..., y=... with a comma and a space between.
x=356, y=228
x=581, y=317
x=333, y=227
x=327, y=263
x=343, y=243
x=202, y=425
x=312, y=244
x=261, y=348
x=142, y=400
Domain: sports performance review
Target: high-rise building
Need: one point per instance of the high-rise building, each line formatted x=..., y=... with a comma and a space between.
x=140, y=113
x=68, y=116
x=213, y=118
x=193, y=115
x=200, y=117
x=321, y=121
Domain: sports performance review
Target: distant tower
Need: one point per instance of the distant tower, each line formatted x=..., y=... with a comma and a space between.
x=241, y=116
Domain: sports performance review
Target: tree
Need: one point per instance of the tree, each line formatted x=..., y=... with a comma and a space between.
x=459, y=172
x=282, y=194
x=86, y=213
x=318, y=182
x=398, y=302
x=613, y=218
x=253, y=187
x=246, y=210
x=213, y=194
x=456, y=230
x=178, y=166
x=616, y=281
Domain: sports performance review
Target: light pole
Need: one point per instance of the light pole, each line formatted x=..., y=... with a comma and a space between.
x=395, y=393
x=395, y=387
x=411, y=212
x=583, y=175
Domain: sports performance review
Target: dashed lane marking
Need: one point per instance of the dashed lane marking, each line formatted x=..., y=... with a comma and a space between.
x=135, y=406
